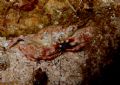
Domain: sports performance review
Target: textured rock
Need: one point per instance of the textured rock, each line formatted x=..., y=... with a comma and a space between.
x=69, y=68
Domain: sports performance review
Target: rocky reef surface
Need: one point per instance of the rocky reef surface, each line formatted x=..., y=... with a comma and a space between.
x=57, y=42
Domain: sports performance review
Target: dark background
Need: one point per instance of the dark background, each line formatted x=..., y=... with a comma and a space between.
x=111, y=73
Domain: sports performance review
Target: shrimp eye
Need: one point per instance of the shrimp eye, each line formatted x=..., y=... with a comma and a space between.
x=64, y=45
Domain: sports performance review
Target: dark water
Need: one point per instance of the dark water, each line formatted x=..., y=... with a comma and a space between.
x=110, y=74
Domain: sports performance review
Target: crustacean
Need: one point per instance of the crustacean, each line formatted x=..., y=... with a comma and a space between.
x=52, y=42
